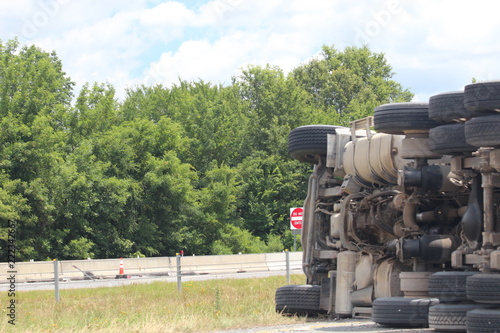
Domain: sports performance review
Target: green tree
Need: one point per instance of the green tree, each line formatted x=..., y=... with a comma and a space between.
x=234, y=240
x=348, y=85
x=169, y=203
x=274, y=105
x=32, y=82
x=221, y=192
x=195, y=166
x=34, y=93
x=96, y=110
x=272, y=185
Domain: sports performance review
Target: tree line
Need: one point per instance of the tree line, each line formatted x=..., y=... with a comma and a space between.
x=195, y=166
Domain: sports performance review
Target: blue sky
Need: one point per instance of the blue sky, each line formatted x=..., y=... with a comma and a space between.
x=433, y=46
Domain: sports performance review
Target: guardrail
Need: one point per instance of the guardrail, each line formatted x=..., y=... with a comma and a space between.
x=69, y=270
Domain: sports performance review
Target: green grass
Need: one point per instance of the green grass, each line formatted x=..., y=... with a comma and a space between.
x=202, y=306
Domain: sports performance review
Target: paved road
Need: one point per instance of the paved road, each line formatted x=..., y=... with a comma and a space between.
x=342, y=325
x=135, y=280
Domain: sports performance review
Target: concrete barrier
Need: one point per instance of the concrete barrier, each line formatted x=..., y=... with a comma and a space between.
x=160, y=266
x=276, y=261
x=29, y=270
x=105, y=268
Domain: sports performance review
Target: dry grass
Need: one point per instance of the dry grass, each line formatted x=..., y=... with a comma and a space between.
x=203, y=306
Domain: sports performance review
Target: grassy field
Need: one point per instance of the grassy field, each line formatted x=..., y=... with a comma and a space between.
x=202, y=306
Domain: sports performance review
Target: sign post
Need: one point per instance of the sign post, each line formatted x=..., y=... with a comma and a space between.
x=296, y=223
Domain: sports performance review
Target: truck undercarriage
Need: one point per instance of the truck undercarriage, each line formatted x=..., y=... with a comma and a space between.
x=401, y=220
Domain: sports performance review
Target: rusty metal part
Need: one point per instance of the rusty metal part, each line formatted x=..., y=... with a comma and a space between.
x=308, y=225
x=344, y=231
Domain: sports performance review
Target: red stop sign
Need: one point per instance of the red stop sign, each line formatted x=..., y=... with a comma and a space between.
x=296, y=218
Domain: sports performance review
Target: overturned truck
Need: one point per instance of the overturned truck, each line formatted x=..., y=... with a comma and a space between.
x=402, y=216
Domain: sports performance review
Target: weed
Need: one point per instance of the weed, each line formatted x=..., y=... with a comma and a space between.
x=203, y=306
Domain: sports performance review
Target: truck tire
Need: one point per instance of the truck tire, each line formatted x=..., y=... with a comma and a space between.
x=298, y=299
x=448, y=107
x=396, y=118
x=449, y=139
x=451, y=317
x=483, y=321
x=482, y=97
x=402, y=312
x=484, y=288
x=306, y=142
x=449, y=286
x=483, y=131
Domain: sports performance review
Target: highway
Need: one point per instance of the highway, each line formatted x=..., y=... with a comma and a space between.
x=70, y=284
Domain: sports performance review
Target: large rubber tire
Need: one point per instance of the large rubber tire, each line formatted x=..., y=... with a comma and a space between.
x=298, y=300
x=306, y=142
x=482, y=97
x=402, y=312
x=484, y=288
x=448, y=107
x=396, y=118
x=483, y=131
x=449, y=139
x=483, y=321
x=449, y=286
x=451, y=317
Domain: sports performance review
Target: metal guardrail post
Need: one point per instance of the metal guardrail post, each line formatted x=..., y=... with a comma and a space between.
x=179, y=282
x=56, y=280
x=287, y=256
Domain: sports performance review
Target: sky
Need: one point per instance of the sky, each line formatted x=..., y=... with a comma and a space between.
x=432, y=46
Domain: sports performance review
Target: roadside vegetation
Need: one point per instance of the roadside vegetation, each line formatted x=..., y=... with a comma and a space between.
x=202, y=306
x=194, y=166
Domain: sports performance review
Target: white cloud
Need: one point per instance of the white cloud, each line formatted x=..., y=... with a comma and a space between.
x=285, y=39
x=169, y=14
x=431, y=45
x=204, y=60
